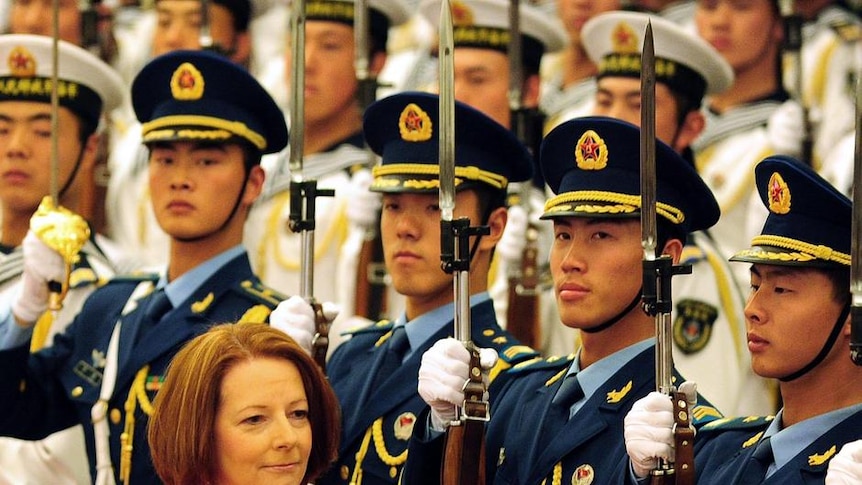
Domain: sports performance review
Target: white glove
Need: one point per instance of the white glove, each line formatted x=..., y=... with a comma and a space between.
x=649, y=432
x=295, y=317
x=845, y=468
x=786, y=128
x=442, y=375
x=510, y=247
x=649, y=429
x=362, y=203
x=41, y=265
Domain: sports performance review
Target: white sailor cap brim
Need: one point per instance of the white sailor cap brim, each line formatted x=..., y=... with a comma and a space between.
x=494, y=14
x=86, y=85
x=614, y=41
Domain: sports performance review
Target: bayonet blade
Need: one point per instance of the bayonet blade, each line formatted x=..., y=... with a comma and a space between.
x=206, y=38
x=855, y=244
x=516, y=72
x=447, y=113
x=297, y=87
x=647, y=147
x=360, y=36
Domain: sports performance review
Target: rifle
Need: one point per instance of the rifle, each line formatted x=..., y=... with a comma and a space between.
x=97, y=39
x=304, y=192
x=792, y=55
x=657, y=274
x=464, y=455
x=370, y=295
x=522, y=314
x=855, y=245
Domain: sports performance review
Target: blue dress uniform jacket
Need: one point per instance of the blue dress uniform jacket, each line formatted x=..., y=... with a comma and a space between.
x=376, y=432
x=57, y=387
x=723, y=449
x=588, y=449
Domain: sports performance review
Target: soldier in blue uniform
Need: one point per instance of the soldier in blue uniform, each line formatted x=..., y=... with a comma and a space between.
x=798, y=333
x=379, y=406
x=206, y=123
x=537, y=433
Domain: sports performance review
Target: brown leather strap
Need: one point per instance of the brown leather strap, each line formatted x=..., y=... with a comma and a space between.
x=683, y=434
x=320, y=342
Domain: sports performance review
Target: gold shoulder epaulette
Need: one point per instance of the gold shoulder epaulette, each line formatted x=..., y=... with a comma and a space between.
x=551, y=363
x=742, y=422
x=703, y=414
x=847, y=30
x=134, y=278
x=379, y=327
x=507, y=350
x=261, y=293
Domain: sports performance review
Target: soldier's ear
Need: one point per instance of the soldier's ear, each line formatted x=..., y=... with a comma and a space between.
x=496, y=223
x=673, y=248
x=378, y=60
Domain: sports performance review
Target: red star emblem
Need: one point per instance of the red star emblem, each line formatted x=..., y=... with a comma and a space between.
x=775, y=192
x=413, y=121
x=19, y=61
x=622, y=37
x=187, y=80
x=590, y=149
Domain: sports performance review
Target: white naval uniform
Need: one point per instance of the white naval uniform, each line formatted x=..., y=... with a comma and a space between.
x=725, y=155
x=562, y=104
x=831, y=60
x=61, y=458
x=275, y=251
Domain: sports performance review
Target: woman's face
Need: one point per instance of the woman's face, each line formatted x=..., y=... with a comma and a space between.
x=262, y=431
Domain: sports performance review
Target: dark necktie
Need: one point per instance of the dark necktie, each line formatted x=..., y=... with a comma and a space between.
x=568, y=394
x=396, y=347
x=157, y=305
x=755, y=469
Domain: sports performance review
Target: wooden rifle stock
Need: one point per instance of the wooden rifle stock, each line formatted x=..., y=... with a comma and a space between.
x=370, y=294
x=464, y=456
x=522, y=314
x=320, y=342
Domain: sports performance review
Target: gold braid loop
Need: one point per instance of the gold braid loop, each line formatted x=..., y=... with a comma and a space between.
x=625, y=203
x=809, y=251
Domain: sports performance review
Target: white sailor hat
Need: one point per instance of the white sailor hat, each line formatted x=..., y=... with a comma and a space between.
x=86, y=85
x=684, y=61
x=383, y=14
x=485, y=24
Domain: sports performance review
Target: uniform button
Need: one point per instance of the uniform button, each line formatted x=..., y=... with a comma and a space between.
x=77, y=391
x=116, y=416
x=345, y=472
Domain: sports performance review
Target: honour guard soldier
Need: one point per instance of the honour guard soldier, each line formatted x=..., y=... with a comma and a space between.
x=569, y=76
x=798, y=333
x=482, y=80
x=481, y=29
x=206, y=123
x=735, y=137
x=709, y=330
x=89, y=88
x=536, y=432
x=380, y=405
x=334, y=155
x=176, y=25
